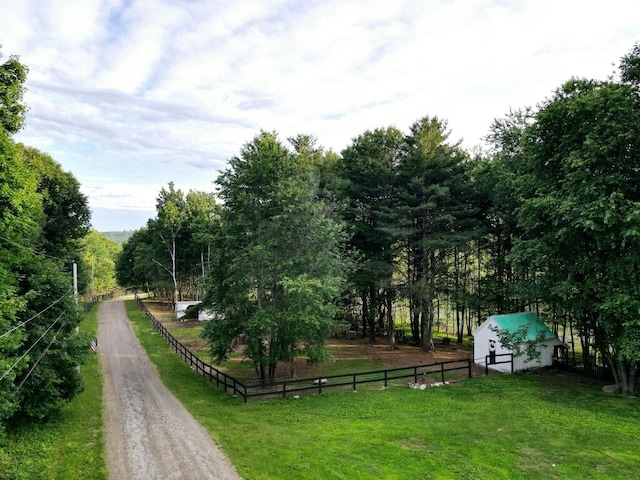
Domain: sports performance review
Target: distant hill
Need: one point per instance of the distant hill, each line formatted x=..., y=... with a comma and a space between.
x=119, y=237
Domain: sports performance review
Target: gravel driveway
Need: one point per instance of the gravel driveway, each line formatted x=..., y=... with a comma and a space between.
x=149, y=434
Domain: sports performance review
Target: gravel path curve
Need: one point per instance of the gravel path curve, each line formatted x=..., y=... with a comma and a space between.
x=149, y=434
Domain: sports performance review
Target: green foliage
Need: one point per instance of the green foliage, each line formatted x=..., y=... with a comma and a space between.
x=630, y=66
x=42, y=215
x=367, y=171
x=172, y=253
x=134, y=264
x=70, y=445
x=278, y=262
x=66, y=214
x=99, y=254
x=54, y=379
x=435, y=212
x=580, y=198
x=13, y=75
x=517, y=341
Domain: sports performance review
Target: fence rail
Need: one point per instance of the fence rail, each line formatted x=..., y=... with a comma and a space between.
x=492, y=360
x=87, y=302
x=282, y=388
x=221, y=379
x=418, y=372
x=589, y=370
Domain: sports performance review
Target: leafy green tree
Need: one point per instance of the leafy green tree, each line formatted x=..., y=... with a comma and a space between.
x=172, y=210
x=134, y=265
x=99, y=254
x=42, y=215
x=630, y=66
x=13, y=75
x=20, y=216
x=38, y=314
x=196, y=239
x=52, y=346
x=580, y=211
x=67, y=216
x=278, y=264
x=496, y=178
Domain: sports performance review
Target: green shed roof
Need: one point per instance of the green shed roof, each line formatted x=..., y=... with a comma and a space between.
x=513, y=321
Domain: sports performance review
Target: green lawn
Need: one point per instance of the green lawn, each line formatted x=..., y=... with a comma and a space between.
x=527, y=426
x=68, y=446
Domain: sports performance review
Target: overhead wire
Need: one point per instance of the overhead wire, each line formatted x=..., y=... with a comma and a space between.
x=33, y=251
x=32, y=346
x=26, y=377
x=35, y=316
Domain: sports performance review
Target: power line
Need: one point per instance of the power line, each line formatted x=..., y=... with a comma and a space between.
x=38, y=361
x=31, y=347
x=33, y=252
x=35, y=316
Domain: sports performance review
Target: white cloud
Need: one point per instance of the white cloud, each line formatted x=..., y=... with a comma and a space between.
x=135, y=93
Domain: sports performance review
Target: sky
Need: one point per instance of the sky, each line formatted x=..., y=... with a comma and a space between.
x=128, y=95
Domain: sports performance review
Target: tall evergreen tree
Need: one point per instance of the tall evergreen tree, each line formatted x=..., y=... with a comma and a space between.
x=434, y=199
x=368, y=168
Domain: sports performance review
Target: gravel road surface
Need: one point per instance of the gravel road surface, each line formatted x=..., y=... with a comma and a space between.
x=149, y=434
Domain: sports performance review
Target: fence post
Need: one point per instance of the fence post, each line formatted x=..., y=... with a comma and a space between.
x=486, y=365
x=469, y=366
x=442, y=371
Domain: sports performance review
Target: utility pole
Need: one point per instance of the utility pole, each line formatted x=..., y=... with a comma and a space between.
x=75, y=280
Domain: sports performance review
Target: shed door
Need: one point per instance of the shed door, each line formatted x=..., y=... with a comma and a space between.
x=492, y=351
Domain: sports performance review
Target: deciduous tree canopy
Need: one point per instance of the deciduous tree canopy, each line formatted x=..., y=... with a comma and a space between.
x=42, y=217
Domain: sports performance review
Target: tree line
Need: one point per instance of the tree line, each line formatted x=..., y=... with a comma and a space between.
x=303, y=241
x=44, y=230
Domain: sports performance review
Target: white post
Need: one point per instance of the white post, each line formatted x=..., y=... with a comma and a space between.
x=75, y=280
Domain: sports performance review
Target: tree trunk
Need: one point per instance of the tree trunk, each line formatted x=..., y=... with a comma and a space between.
x=365, y=314
x=174, y=273
x=392, y=327
x=371, y=316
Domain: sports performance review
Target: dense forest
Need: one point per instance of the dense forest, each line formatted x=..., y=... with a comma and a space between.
x=44, y=231
x=299, y=241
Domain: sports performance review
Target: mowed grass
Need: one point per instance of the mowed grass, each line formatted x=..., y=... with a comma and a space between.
x=527, y=426
x=71, y=444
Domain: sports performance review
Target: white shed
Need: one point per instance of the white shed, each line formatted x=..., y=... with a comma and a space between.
x=489, y=351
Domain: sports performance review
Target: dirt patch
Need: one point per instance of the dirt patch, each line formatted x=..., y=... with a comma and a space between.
x=400, y=356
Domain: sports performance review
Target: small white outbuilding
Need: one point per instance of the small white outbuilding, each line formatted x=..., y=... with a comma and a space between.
x=488, y=351
x=181, y=309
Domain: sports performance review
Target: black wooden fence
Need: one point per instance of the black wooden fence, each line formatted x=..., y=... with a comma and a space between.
x=87, y=302
x=589, y=370
x=493, y=360
x=221, y=379
x=428, y=373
